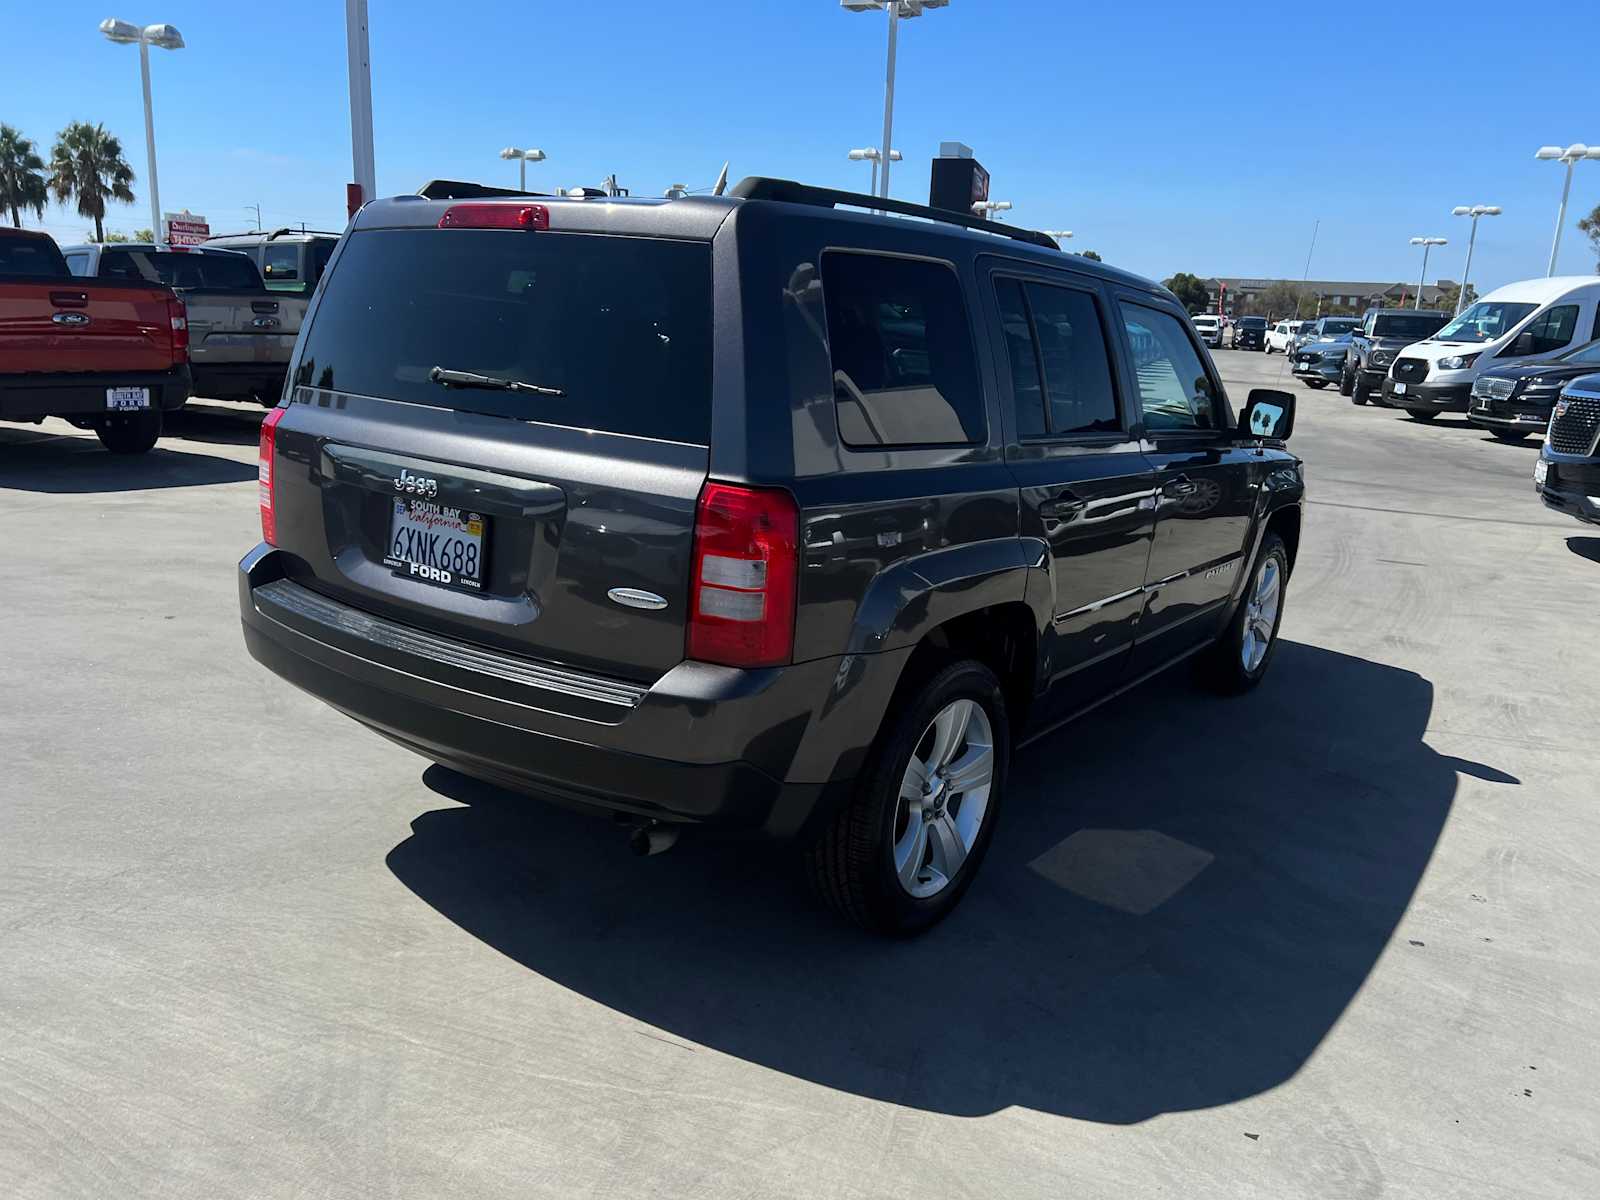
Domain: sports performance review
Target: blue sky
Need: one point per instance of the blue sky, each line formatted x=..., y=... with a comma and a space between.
x=1197, y=137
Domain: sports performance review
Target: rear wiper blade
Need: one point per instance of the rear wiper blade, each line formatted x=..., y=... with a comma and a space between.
x=471, y=379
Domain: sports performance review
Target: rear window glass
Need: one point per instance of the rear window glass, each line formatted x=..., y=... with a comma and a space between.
x=31, y=256
x=280, y=267
x=621, y=326
x=904, y=371
x=178, y=269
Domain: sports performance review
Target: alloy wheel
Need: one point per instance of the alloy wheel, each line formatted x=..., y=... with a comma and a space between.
x=944, y=797
x=1261, y=614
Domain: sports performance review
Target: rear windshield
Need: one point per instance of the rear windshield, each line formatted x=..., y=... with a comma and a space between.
x=34, y=257
x=1404, y=325
x=621, y=326
x=183, y=270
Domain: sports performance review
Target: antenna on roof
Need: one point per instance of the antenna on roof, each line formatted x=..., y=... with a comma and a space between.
x=722, y=181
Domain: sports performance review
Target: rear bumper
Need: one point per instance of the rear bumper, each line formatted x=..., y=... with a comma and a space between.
x=239, y=381
x=1429, y=397
x=770, y=750
x=83, y=393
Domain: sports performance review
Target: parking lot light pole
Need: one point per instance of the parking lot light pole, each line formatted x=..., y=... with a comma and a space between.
x=167, y=38
x=896, y=9
x=1572, y=156
x=987, y=208
x=1060, y=235
x=871, y=155
x=523, y=157
x=1427, y=244
x=1474, y=211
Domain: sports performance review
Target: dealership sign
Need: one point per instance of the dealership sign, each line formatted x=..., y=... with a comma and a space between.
x=184, y=229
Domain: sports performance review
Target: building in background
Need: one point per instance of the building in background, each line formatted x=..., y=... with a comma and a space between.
x=1274, y=297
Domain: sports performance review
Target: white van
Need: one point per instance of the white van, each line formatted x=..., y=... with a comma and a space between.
x=1521, y=322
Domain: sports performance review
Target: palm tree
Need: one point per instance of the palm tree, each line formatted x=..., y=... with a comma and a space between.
x=86, y=165
x=22, y=183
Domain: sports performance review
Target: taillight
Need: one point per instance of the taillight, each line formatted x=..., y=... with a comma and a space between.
x=178, y=314
x=266, y=474
x=745, y=569
x=495, y=216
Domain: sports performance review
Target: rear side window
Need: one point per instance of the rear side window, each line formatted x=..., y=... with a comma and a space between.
x=1174, y=390
x=904, y=370
x=1060, y=371
x=178, y=269
x=280, y=267
x=620, y=326
x=78, y=264
x=1553, y=328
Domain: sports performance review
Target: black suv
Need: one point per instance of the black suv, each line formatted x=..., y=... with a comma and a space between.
x=1515, y=400
x=750, y=512
x=1382, y=334
x=1567, y=475
x=1250, y=333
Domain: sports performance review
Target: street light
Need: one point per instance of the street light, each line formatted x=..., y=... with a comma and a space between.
x=1475, y=211
x=871, y=155
x=523, y=157
x=1060, y=235
x=896, y=9
x=1572, y=155
x=1427, y=244
x=987, y=208
x=166, y=37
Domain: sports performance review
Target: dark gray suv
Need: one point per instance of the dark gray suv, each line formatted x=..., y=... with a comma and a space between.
x=752, y=512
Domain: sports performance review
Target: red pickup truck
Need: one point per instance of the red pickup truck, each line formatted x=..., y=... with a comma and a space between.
x=106, y=355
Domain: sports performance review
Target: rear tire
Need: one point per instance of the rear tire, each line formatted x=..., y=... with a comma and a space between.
x=852, y=863
x=1423, y=416
x=1241, y=656
x=129, y=433
x=1510, y=436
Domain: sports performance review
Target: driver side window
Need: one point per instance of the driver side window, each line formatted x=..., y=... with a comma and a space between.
x=1175, y=393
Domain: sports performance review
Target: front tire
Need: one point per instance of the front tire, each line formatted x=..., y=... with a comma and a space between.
x=1510, y=436
x=898, y=858
x=1316, y=384
x=1241, y=656
x=1424, y=416
x=1347, y=382
x=1359, y=391
x=129, y=433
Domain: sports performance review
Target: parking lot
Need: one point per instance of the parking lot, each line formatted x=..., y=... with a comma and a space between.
x=1335, y=938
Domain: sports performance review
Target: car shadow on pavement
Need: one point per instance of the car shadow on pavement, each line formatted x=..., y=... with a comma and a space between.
x=1183, y=897
x=1585, y=547
x=216, y=423
x=32, y=460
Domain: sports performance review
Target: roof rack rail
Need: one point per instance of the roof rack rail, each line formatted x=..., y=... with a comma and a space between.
x=289, y=230
x=759, y=187
x=454, y=189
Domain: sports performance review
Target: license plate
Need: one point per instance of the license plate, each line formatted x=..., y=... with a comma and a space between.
x=1541, y=471
x=437, y=543
x=124, y=398
x=1399, y=389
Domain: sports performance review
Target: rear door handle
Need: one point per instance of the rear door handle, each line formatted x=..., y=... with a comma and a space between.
x=1063, y=507
x=1180, y=486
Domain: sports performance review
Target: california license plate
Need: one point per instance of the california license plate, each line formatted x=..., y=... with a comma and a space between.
x=1399, y=389
x=437, y=543
x=1541, y=471
x=125, y=399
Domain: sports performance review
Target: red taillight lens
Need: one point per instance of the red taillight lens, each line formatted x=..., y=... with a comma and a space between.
x=179, y=316
x=266, y=473
x=495, y=216
x=746, y=565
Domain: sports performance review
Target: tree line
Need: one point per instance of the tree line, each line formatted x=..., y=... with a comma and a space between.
x=86, y=166
x=1287, y=300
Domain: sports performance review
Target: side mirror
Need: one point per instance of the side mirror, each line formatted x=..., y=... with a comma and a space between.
x=1523, y=344
x=1267, y=414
